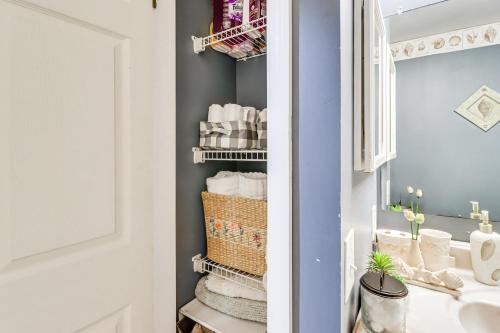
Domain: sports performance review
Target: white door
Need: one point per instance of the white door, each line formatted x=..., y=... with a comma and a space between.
x=75, y=166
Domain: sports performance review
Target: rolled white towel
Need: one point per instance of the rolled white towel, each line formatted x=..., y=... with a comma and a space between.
x=263, y=116
x=228, y=288
x=215, y=113
x=253, y=185
x=224, y=183
x=250, y=114
x=233, y=112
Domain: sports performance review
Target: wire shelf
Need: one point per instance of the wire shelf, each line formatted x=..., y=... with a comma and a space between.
x=202, y=155
x=205, y=265
x=243, y=42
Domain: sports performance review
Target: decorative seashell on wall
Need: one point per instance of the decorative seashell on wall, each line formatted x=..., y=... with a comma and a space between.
x=486, y=108
x=471, y=37
x=409, y=49
x=490, y=34
x=455, y=40
x=421, y=46
x=395, y=51
x=438, y=43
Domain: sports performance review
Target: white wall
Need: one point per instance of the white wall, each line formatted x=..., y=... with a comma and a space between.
x=358, y=190
x=164, y=166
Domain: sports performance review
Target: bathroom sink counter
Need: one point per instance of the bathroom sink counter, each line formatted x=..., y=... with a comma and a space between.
x=432, y=311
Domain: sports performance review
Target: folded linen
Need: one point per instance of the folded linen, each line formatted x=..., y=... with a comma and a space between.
x=262, y=116
x=251, y=185
x=215, y=113
x=233, y=112
x=233, y=306
x=224, y=182
x=232, y=289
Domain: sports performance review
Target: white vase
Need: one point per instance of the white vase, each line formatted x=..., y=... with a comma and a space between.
x=394, y=243
x=414, y=257
x=435, y=248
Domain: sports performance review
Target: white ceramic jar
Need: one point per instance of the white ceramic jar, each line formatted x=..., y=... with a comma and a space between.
x=435, y=248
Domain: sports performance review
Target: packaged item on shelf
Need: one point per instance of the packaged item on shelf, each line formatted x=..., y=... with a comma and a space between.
x=228, y=135
x=200, y=329
x=236, y=231
x=218, y=16
x=229, y=288
x=235, y=12
x=233, y=306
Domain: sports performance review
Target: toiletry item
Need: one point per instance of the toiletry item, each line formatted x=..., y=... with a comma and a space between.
x=475, y=214
x=383, y=303
x=435, y=248
x=485, y=252
x=394, y=243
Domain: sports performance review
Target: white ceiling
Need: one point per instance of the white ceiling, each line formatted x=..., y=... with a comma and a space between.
x=441, y=17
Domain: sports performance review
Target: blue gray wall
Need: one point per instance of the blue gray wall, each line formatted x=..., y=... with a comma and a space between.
x=451, y=159
x=316, y=168
x=201, y=80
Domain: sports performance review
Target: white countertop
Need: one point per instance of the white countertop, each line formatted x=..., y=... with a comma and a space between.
x=432, y=311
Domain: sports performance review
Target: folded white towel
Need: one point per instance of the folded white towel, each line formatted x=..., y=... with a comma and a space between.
x=224, y=182
x=262, y=116
x=250, y=114
x=215, y=113
x=233, y=112
x=253, y=185
x=228, y=288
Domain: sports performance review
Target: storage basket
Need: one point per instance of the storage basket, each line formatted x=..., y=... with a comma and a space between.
x=228, y=135
x=262, y=135
x=236, y=230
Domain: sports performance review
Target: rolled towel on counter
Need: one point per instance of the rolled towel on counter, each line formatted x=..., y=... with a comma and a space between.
x=216, y=113
x=250, y=114
x=253, y=185
x=232, y=289
x=224, y=183
x=233, y=112
x=263, y=116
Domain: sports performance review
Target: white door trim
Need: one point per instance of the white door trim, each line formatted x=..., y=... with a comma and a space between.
x=279, y=167
x=164, y=105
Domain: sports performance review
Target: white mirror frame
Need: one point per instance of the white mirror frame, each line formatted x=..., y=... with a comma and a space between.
x=391, y=142
x=374, y=23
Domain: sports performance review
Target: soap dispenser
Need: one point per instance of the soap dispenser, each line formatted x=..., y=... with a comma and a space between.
x=485, y=252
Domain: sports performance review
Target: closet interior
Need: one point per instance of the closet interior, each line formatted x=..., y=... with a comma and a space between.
x=221, y=154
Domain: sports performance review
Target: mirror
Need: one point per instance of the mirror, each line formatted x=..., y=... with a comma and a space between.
x=446, y=99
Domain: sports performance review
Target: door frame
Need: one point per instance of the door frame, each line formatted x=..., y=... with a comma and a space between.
x=279, y=95
x=164, y=143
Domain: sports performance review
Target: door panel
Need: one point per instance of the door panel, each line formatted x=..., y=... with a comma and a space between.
x=75, y=166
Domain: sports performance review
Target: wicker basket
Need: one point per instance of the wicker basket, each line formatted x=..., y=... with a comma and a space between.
x=236, y=231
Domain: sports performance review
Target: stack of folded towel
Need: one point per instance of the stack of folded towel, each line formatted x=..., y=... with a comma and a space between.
x=233, y=299
x=252, y=185
x=232, y=126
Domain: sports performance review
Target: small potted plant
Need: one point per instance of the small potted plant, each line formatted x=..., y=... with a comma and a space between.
x=383, y=296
